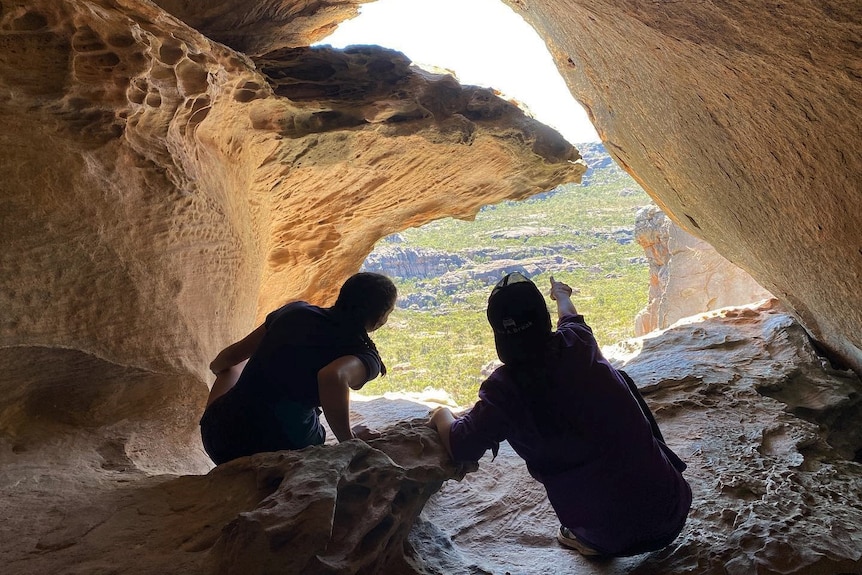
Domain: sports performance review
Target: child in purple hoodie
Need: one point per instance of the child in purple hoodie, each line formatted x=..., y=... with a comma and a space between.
x=579, y=424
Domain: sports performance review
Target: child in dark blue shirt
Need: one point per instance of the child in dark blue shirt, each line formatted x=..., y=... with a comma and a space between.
x=271, y=385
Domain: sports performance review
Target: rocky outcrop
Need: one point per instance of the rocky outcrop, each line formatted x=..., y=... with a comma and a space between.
x=687, y=276
x=454, y=270
x=739, y=118
x=165, y=184
x=407, y=262
x=262, y=26
x=776, y=488
x=345, y=508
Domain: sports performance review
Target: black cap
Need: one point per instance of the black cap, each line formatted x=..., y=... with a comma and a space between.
x=519, y=317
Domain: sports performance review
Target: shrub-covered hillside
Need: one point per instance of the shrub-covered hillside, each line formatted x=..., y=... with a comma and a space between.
x=580, y=233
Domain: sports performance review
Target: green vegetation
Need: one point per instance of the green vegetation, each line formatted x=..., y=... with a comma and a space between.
x=447, y=344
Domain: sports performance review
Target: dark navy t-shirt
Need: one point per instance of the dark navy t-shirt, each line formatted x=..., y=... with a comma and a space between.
x=274, y=404
x=586, y=439
x=300, y=340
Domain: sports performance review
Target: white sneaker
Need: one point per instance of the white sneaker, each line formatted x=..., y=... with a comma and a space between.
x=568, y=539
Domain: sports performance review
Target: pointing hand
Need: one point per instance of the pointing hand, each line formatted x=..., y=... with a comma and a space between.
x=559, y=289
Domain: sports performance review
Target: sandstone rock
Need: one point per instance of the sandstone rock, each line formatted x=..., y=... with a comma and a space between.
x=161, y=192
x=776, y=488
x=345, y=508
x=741, y=119
x=771, y=464
x=687, y=276
x=262, y=26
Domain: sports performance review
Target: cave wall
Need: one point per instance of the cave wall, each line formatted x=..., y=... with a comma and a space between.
x=741, y=119
x=164, y=181
x=162, y=191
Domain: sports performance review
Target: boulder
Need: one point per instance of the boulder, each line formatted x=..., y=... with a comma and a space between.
x=687, y=275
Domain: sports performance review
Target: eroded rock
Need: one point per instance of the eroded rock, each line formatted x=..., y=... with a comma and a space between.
x=687, y=275
x=773, y=467
x=776, y=488
x=741, y=119
x=162, y=192
x=345, y=508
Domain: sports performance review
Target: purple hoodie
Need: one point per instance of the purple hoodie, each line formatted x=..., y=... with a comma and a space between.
x=586, y=439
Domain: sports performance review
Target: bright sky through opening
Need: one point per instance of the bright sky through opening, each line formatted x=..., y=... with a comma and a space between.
x=483, y=42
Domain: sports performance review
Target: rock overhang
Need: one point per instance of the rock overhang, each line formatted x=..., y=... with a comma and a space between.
x=163, y=191
x=740, y=119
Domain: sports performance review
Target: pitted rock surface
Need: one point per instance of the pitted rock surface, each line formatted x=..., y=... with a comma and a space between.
x=345, y=508
x=162, y=193
x=771, y=465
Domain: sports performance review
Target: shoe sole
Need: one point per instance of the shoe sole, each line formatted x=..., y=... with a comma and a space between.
x=576, y=545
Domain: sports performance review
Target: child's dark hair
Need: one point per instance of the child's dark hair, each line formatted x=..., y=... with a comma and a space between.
x=366, y=297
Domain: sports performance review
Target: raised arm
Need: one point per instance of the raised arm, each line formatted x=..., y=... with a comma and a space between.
x=334, y=382
x=562, y=294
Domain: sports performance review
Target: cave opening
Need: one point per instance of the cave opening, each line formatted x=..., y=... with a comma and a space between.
x=580, y=233
x=483, y=43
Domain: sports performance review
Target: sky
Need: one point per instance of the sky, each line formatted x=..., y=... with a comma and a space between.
x=483, y=42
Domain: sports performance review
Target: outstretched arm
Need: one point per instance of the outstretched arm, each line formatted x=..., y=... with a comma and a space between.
x=562, y=294
x=238, y=352
x=334, y=382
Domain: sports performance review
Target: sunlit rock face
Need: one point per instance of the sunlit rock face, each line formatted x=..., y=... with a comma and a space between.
x=161, y=192
x=741, y=119
x=687, y=275
x=261, y=26
x=166, y=181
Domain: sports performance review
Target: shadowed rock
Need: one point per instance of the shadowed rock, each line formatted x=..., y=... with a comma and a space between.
x=345, y=508
x=770, y=461
x=740, y=118
x=162, y=192
x=766, y=425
